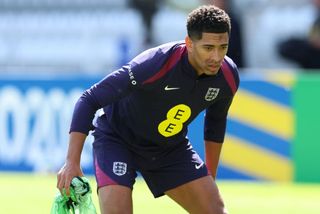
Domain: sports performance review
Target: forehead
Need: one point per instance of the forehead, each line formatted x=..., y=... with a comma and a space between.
x=214, y=38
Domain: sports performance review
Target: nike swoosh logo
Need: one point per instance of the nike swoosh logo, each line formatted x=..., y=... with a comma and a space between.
x=167, y=88
x=198, y=166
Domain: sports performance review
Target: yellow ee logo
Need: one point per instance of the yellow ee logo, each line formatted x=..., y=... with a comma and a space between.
x=176, y=116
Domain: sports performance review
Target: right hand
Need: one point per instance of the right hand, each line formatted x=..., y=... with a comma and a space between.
x=65, y=175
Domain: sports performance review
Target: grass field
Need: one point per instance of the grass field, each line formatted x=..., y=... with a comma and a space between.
x=34, y=193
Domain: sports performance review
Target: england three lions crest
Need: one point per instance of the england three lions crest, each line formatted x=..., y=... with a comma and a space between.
x=119, y=168
x=212, y=93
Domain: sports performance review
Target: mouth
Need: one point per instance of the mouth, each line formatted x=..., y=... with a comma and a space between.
x=214, y=66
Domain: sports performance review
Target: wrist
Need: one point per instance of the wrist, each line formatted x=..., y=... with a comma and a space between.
x=72, y=162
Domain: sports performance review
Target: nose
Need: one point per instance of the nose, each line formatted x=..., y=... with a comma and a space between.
x=216, y=55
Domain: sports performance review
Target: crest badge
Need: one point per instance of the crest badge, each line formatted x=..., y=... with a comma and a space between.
x=212, y=93
x=119, y=168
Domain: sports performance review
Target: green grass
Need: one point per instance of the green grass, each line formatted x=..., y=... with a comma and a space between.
x=34, y=193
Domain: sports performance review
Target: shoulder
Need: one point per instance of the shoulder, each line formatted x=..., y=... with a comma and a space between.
x=157, y=56
x=231, y=73
x=154, y=63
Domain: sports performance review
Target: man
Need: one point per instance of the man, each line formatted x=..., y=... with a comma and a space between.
x=305, y=52
x=147, y=9
x=147, y=105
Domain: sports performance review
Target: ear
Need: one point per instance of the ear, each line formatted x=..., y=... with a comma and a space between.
x=188, y=42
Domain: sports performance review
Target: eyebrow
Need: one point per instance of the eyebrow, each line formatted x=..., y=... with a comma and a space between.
x=208, y=45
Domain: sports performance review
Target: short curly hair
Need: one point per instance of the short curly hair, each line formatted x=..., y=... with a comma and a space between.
x=207, y=19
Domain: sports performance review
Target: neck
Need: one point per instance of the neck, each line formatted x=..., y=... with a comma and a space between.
x=194, y=65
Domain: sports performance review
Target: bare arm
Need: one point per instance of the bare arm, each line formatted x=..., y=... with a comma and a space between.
x=212, y=151
x=71, y=168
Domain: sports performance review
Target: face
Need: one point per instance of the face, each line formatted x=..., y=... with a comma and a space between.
x=207, y=54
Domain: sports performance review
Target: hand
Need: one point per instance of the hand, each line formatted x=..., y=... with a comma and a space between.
x=65, y=175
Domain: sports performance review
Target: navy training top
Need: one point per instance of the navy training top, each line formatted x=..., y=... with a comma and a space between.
x=154, y=97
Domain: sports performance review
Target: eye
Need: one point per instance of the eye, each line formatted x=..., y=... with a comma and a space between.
x=224, y=47
x=208, y=48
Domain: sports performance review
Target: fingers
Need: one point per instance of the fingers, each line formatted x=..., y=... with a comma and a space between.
x=65, y=175
x=63, y=183
x=67, y=186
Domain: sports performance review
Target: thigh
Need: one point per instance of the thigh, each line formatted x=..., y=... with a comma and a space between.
x=200, y=196
x=115, y=199
x=115, y=173
x=113, y=161
x=173, y=168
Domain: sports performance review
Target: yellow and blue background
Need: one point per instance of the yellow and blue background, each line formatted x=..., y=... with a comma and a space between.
x=273, y=129
x=260, y=131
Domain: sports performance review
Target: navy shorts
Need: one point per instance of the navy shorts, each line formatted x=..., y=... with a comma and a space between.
x=116, y=162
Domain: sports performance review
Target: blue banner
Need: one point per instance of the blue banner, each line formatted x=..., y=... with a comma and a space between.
x=35, y=115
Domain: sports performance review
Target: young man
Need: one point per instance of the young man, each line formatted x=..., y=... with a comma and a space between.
x=147, y=105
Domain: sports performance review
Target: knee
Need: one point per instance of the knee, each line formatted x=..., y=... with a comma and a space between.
x=213, y=208
x=115, y=207
x=115, y=210
x=219, y=208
